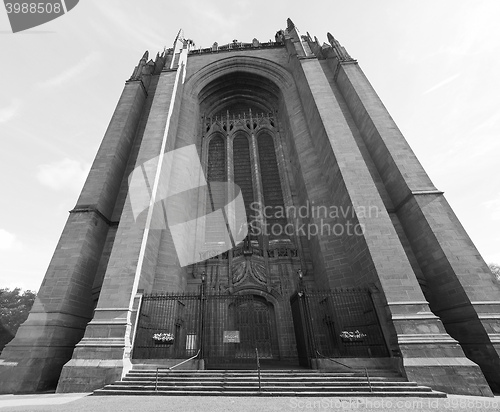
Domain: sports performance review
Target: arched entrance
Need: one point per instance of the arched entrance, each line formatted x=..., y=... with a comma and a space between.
x=235, y=327
x=254, y=319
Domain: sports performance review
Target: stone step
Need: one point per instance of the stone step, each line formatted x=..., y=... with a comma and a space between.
x=366, y=393
x=255, y=376
x=172, y=373
x=253, y=372
x=219, y=386
x=263, y=379
x=255, y=380
x=264, y=371
x=273, y=383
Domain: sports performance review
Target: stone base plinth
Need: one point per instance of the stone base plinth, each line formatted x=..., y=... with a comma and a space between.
x=86, y=375
x=458, y=376
x=30, y=375
x=343, y=364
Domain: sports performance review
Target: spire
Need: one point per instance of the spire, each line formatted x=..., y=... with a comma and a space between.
x=137, y=74
x=292, y=32
x=340, y=51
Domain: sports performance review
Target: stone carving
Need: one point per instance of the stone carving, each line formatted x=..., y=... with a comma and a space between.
x=279, y=36
x=283, y=252
x=247, y=269
x=258, y=271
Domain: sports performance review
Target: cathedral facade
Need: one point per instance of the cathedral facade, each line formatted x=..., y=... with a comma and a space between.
x=316, y=233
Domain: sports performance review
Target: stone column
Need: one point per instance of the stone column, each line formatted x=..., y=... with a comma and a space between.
x=103, y=355
x=461, y=289
x=32, y=361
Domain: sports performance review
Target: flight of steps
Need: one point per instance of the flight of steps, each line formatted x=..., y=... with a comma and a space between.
x=273, y=383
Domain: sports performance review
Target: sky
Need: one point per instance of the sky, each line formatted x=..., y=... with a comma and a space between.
x=434, y=64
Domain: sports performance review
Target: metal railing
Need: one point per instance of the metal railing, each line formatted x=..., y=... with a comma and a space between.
x=175, y=366
x=258, y=368
x=350, y=367
x=236, y=46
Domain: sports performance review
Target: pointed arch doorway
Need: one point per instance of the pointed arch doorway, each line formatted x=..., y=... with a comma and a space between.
x=235, y=327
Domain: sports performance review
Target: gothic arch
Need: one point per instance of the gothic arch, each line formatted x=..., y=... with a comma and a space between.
x=264, y=68
x=258, y=291
x=241, y=133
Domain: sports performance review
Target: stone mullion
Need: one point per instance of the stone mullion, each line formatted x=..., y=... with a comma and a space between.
x=202, y=201
x=230, y=180
x=257, y=186
x=259, y=196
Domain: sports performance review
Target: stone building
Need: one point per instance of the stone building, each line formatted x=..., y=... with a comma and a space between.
x=388, y=274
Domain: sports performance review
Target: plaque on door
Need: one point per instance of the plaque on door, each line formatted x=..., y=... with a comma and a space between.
x=231, y=336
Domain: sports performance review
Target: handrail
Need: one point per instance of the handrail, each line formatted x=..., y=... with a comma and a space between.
x=350, y=367
x=175, y=366
x=258, y=368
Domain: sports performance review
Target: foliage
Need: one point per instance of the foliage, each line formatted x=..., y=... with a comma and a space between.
x=14, y=309
x=495, y=269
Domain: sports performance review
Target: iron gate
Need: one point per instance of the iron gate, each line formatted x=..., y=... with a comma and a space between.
x=337, y=323
x=231, y=327
x=176, y=314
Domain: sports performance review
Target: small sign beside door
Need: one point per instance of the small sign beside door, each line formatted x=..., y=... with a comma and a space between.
x=231, y=336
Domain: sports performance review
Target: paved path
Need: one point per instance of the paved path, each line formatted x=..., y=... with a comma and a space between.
x=85, y=403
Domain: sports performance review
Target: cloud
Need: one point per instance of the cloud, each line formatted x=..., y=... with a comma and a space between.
x=72, y=72
x=490, y=123
x=222, y=25
x=8, y=241
x=475, y=29
x=441, y=84
x=494, y=207
x=10, y=111
x=63, y=175
x=130, y=23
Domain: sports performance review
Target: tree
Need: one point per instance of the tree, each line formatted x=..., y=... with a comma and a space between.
x=495, y=269
x=14, y=309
